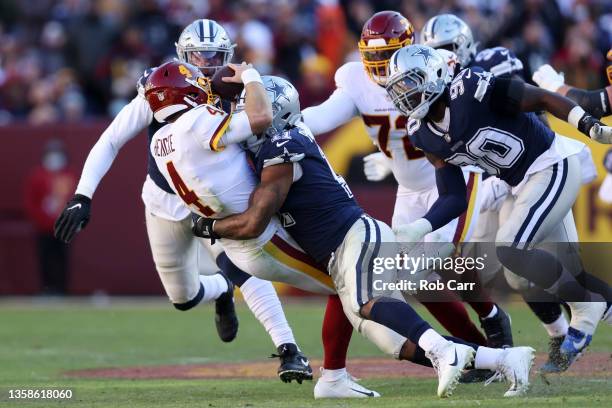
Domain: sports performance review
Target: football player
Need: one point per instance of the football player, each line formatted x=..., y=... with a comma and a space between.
x=450, y=33
x=175, y=251
x=360, y=92
x=598, y=103
x=480, y=120
x=297, y=181
x=197, y=153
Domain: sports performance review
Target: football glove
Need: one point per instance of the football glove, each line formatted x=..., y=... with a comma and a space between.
x=601, y=133
x=73, y=218
x=376, y=166
x=409, y=235
x=547, y=78
x=203, y=228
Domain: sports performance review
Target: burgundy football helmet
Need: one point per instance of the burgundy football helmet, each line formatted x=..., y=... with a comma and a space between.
x=174, y=87
x=383, y=34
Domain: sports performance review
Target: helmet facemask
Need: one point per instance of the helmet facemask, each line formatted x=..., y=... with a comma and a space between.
x=208, y=60
x=375, y=60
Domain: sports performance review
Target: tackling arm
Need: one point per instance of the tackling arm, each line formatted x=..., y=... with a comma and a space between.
x=512, y=95
x=265, y=201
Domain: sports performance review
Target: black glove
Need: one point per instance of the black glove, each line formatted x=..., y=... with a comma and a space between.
x=203, y=228
x=73, y=218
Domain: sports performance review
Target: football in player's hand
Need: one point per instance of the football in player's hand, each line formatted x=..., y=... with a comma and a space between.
x=226, y=90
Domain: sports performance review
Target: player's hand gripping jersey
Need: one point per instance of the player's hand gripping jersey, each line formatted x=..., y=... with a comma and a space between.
x=320, y=208
x=474, y=133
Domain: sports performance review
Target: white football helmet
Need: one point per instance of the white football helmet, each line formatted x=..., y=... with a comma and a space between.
x=417, y=77
x=451, y=33
x=205, y=44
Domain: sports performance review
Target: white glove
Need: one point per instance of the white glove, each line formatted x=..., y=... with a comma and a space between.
x=376, y=166
x=493, y=193
x=601, y=134
x=409, y=235
x=547, y=78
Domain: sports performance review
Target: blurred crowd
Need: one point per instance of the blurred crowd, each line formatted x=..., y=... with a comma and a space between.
x=63, y=60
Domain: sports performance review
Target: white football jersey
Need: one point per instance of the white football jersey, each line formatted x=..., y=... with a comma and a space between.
x=386, y=126
x=212, y=182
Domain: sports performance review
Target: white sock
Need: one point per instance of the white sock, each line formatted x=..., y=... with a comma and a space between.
x=429, y=339
x=263, y=301
x=486, y=357
x=214, y=286
x=492, y=313
x=333, y=375
x=557, y=328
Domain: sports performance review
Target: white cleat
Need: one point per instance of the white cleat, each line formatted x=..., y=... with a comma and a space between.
x=344, y=386
x=513, y=366
x=449, y=359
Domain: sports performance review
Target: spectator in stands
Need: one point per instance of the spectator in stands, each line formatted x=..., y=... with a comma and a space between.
x=48, y=187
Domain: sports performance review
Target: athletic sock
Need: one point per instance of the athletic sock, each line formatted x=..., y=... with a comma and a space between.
x=453, y=316
x=333, y=374
x=487, y=357
x=399, y=317
x=233, y=273
x=429, y=339
x=336, y=335
x=557, y=328
x=263, y=301
x=214, y=286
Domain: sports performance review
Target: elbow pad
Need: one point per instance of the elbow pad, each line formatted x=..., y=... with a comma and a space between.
x=596, y=103
x=507, y=95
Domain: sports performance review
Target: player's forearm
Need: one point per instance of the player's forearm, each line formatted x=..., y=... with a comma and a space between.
x=240, y=226
x=257, y=104
x=338, y=109
x=451, y=202
x=597, y=103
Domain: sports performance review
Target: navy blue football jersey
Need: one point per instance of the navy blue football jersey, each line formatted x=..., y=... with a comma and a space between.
x=501, y=145
x=499, y=61
x=320, y=208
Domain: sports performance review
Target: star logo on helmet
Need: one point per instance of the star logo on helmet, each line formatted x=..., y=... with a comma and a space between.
x=425, y=53
x=278, y=90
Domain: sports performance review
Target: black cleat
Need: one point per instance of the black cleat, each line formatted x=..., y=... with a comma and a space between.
x=226, y=319
x=294, y=365
x=475, y=376
x=498, y=329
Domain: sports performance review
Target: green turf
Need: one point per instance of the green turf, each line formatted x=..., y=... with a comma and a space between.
x=40, y=342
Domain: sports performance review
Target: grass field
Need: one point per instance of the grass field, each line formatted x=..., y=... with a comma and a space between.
x=39, y=342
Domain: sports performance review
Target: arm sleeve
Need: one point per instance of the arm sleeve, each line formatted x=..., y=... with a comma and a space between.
x=452, y=201
x=597, y=103
x=131, y=120
x=238, y=130
x=338, y=109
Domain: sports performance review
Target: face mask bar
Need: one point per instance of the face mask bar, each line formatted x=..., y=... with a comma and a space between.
x=406, y=91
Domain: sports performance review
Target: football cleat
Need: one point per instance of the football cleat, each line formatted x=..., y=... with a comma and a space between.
x=345, y=386
x=294, y=365
x=514, y=366
x=572, y=347
x=498, y=329
x=554, y=362
x=449, y=359
x=475, y=376
x=226, y=319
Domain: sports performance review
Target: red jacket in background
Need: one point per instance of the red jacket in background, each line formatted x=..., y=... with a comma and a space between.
x=46, y=193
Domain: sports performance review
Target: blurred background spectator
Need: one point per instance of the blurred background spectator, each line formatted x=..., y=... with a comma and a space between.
x=63, y=60
x=47, y=189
